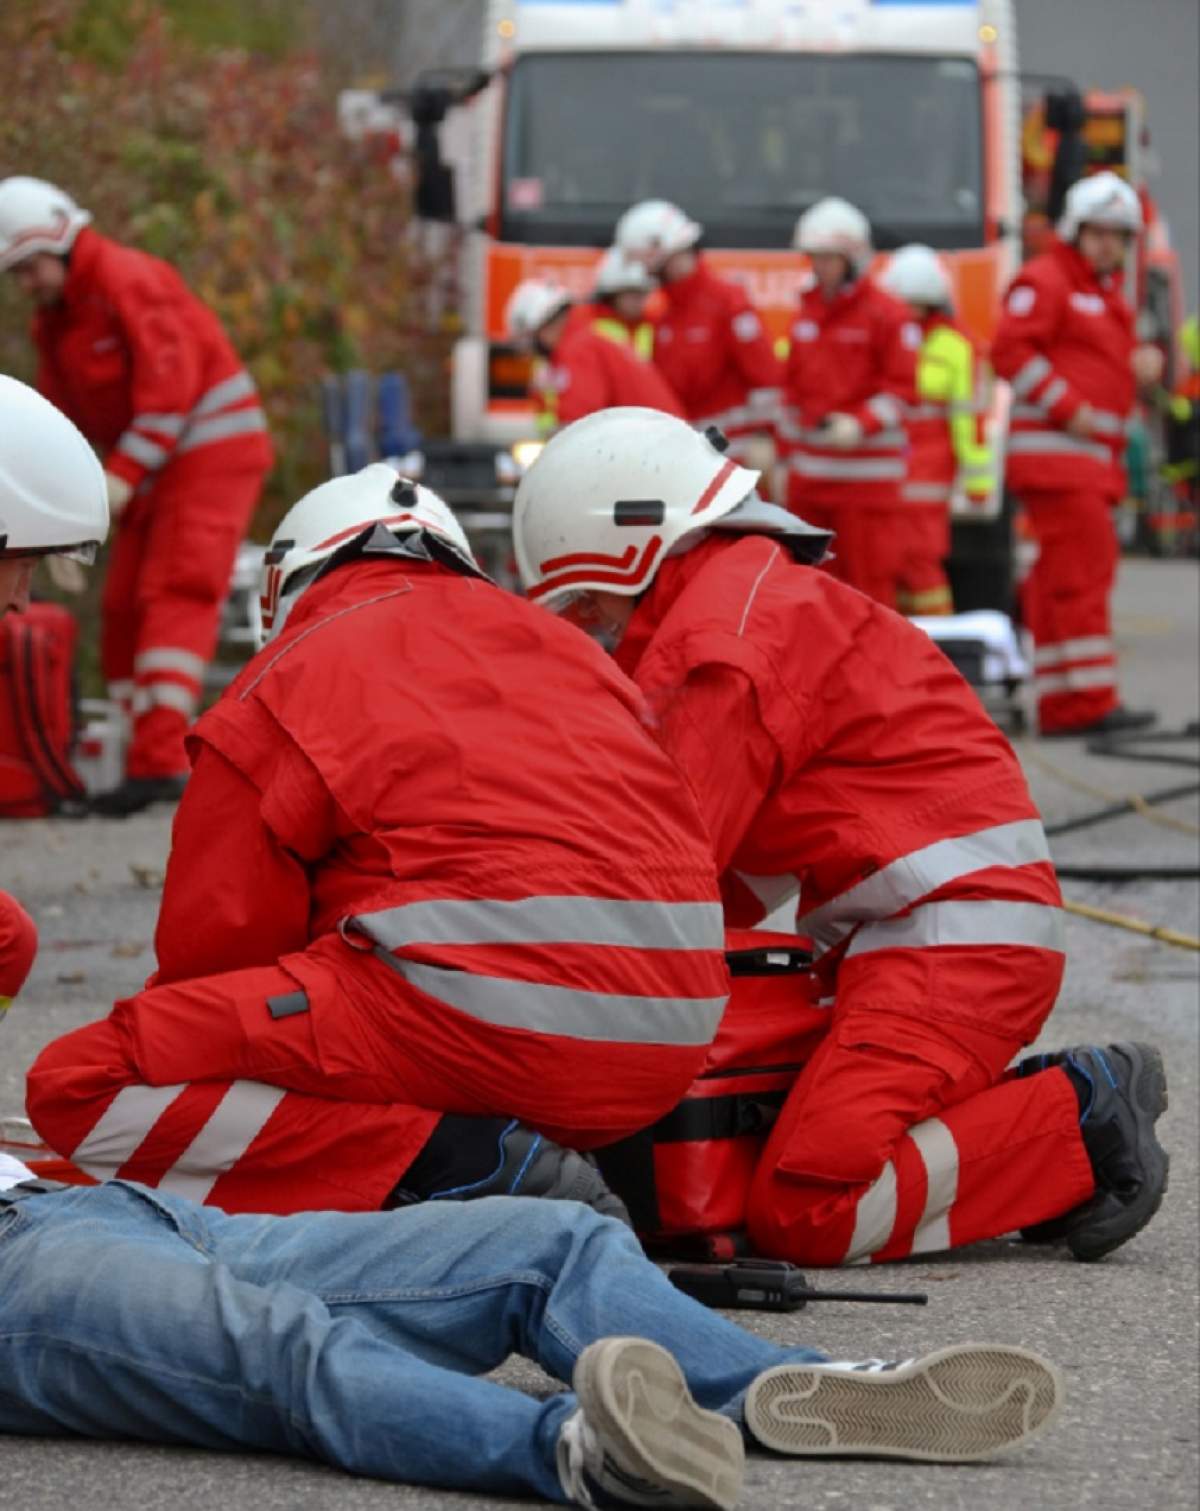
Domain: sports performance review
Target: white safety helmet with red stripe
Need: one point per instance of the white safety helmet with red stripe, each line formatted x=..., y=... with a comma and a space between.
x=1104, y=199
x=916, y=275
x=654, y=230
x=618, y=273
x=340, y=515
x=532, y=304
x=36, y=217
x=835, y=225
x=616, y=493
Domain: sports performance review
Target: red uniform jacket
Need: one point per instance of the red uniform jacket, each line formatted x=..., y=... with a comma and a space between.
x=457, y=779
x=1065, y=338
x=715, y=353
x=836, y=752
x=853, y=354
x=591, y=371
x=18, y=946
x=144, y=368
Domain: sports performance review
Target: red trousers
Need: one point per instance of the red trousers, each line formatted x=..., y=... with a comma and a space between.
x=18, y=946
x=168, y=575
x=1066, y=603
x=925, y=545
x=868, y=551
x=903, y=1135
x=315, y=1083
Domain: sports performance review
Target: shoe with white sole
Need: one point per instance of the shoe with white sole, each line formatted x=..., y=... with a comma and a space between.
x=638, y=1438
x=961, y=1403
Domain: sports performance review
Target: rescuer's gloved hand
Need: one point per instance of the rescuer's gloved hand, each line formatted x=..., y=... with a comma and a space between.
x=119, y=493
x=470, y=1157
x=1147, y=362
x=1082, y=422
x=841, y=430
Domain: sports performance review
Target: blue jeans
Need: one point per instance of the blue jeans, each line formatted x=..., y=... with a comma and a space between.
x=350, y=1338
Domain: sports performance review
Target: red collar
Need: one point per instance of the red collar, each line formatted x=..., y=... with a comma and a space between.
x=675, y=575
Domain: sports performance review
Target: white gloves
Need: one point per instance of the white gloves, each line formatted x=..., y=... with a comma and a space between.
x=119, y=493
x=841, y=430
x=66, y=574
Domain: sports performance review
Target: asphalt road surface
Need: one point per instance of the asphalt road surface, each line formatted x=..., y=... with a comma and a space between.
x=1124, y=1332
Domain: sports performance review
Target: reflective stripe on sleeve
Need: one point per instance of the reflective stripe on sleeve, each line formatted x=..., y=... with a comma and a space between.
x=874, y=1217
x=165, y=424
x=223, y=427
x=1084, y=648
x=171, y=695
x=145, y=453
x=927, y=493
x=565, y=1011
x=886, y=408
x=549, y=920
x=1049, y=442
x=1051, y=394
x=863, y=468
x=227, y=391
x=1028, y=376
x=238, y=1119
x=1030, y=925
x=907, y=880
x=166, y=658
x=939, y=1154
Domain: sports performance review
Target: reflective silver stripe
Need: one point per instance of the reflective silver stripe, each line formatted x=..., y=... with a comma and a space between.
x=886, y=408
x=927, y=411
x=237, y=1120
x=121, y=1127
x=927, y=493
x=1048, y=442
x=882, y=440
x=880, y=468
x=227, y=391
x=905, y=881
x=121, y=689
x=771, y=891
x=874, y=1217
x=168, y=424
x=549, y=920
x=1081, y=649
x=145, y=453
x=164, y=695
x=939, y=1154
x=1030, y=375
x=1075, y=679
x=166, y=658
x=1051, y=394
x=1106, y=422
x=566, y=1011
x=1031, y=925
x=221, y=427
x=965, y=406
x=738, y=414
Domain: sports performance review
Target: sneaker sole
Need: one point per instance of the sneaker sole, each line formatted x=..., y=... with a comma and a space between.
x=961, y=1403
x=635, y=1394
x=1148, y=1093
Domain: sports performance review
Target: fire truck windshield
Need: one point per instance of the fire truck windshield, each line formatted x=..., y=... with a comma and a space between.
x=743, y=142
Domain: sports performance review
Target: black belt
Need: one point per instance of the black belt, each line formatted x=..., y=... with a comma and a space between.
x=33, y=1188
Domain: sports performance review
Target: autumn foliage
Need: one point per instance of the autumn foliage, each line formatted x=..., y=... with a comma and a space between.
x=229, y=163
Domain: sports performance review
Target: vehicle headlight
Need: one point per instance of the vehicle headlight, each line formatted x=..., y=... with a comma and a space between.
x=525, y=453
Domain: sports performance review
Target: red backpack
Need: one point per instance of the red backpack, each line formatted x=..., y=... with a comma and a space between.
x=37, y=711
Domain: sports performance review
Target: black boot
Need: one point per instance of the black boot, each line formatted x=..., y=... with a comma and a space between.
x=136, y=793
x=470, y=1157
x=1122, y=1093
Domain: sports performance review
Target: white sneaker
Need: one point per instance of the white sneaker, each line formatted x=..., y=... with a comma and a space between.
x=966, y=1402
x=638, y=1438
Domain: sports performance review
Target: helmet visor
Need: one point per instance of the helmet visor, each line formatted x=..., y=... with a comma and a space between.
x=85, y=552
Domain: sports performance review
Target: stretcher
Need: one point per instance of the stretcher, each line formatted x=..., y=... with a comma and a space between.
x=986, y=649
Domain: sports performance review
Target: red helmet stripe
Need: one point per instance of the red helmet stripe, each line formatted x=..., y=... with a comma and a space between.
x=714, y=487
x=386, y=519
x=594, y=577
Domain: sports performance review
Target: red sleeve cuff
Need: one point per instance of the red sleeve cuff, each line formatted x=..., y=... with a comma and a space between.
x=125, y=467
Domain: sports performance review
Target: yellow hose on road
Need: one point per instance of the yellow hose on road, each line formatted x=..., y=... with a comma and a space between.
x=1134, y=925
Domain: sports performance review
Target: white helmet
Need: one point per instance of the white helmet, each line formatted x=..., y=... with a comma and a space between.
x=834, y=225
x=36, y=217
x=1104, y=199
x=341, y=515
x=52, y=495
x=916, y=275
x=618, y=273
x=532, y=303
x=616, y=493
x=654, y=230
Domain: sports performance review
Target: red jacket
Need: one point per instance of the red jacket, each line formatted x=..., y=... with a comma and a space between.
x=1065, y=338
x=715, y=353
x=836, y=752
x=452, y=775
x=854, y=354
x=144, y=368
x=18, y=947
x=591, y=371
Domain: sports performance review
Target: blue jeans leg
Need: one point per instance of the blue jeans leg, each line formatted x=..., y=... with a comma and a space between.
x=464, y=1284
x=122, y=1318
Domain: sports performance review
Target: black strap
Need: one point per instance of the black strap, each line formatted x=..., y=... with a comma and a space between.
x=770, y=960
x=703, y=1118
